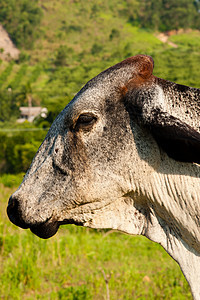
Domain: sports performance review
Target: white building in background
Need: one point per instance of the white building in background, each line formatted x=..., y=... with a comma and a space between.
x=29, y=113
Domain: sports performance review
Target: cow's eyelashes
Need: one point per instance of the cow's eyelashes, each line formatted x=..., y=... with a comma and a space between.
x=85, y=121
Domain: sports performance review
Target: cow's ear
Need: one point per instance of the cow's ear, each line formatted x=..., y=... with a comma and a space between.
x=143, y=65
x=141, y=95
x=142, y=72
x=179, y=140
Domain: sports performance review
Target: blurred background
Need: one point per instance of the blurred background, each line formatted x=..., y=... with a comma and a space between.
x=48, y=51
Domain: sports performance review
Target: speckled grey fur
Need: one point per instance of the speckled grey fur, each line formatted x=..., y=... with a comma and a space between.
x=132, y=167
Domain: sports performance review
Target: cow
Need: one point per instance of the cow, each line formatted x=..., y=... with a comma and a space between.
x=124, y=155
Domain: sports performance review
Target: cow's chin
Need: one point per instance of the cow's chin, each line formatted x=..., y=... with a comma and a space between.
x=45, y=230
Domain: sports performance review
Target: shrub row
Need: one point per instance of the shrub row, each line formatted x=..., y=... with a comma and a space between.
x=18, y=149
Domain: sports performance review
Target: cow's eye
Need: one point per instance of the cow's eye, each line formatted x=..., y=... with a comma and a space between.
x=85, y=121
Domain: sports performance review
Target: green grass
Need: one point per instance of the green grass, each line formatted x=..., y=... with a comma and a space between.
x=71, y=264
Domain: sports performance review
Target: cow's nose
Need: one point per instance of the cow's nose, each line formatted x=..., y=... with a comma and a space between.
x=14, y=212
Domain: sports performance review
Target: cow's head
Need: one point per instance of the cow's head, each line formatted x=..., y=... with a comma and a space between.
x=95, y=165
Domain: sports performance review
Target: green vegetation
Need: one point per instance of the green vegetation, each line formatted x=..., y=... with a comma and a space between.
x=72, y=265
x=4, y=75
x=21, y=19
x=8, y=108
x=18, y=147
x=168, y=15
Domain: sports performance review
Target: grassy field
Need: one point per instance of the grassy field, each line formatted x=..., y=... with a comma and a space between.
x=82, y=264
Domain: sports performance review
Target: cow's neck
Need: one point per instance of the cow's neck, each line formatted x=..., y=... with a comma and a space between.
x=187, y=258
x=174, y=221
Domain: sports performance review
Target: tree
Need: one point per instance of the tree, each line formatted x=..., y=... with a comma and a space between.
x=21, y=19
x=178, y=14
x=8, y=107
x=167, y=15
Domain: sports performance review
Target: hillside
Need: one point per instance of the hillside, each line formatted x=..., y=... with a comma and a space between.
x=89, y=38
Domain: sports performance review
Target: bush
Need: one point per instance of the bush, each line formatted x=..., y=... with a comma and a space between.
x=114, y=34
x=74, y=293
x=18, y=149
x=11, y=180
x=96, y=48
x=23, y=57
x=61, y=56
x=23, y=155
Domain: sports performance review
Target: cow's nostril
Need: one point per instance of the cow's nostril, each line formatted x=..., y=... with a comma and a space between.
x=14, y=212
x=12, y=205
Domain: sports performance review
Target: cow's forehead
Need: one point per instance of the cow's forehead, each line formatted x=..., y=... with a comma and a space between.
x=100, y=88
x=90, y=99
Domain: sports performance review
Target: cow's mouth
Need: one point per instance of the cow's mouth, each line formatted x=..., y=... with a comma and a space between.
x=45, y=230
x=49, y=228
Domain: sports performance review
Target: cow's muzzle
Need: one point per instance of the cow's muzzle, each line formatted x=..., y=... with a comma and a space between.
x=44, y=230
